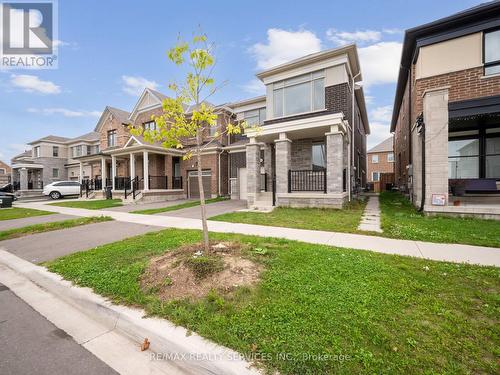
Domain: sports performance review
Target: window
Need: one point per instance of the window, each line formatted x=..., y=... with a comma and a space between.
x=463, y=158
x=318, y=156
x=492, y=157
x=212, y=130
x=375, y=176
x=2, y=170
x=55, y=173
x=300, y=94
x=390, y=157
x=492, y=52
x=36, y=152
x=77, y=151
x=374, y=159
x=150, y=125
x=55, y=151
x=112, y=138
x=255, y=117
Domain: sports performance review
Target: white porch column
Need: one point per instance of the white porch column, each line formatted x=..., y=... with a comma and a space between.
x=145, y=164
x=283, y=162
x=253, y=171
x=103, y=173
x=132, y=166
x=81, y=171
x=113, y=171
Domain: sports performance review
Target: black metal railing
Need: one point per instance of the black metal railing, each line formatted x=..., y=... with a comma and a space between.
x=158, y=182
x=16, y=185
x=177, y=182
x=122, y=183
x=35, y=185
x=87, y=186
x=108, y=182
x=263, y=182
x=307, y=180
x=137, y=185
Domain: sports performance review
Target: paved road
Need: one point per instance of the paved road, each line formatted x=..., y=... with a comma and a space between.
x=41, y=247
x=213, y=209
x=33, y=345
x=25, y=221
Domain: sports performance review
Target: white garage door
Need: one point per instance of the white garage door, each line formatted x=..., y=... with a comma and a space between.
x=242, y=179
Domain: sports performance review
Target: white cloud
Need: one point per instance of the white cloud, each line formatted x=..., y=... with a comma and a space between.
x=360, y=36
x=254, y=87
x=65, y=112
x=381, y=114
x=283, y=46
x=378, y=133
x=31, y=83
x=380, y=62
x=135, y=85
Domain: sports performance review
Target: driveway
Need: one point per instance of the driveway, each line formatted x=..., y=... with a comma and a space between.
x=23, y=222
x=46, y=246
x=213, y=209
x=33, y=345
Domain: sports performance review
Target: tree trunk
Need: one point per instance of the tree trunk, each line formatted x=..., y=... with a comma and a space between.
x=204, y=223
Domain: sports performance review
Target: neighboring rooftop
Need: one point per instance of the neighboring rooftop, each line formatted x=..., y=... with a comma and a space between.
x=384, y=146
x=51, y=138
x=120, y=114
x=25, y=154
x=89, y=137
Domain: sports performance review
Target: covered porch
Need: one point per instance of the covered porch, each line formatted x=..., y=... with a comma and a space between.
x=298, y=163
x=27, y=177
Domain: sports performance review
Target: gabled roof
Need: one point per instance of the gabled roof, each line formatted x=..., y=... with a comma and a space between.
x=51, y=138
x=25, y=154
x=155, y=98
x=466, y=22
x=384, y=146
x=89, y=137
x=121, y=115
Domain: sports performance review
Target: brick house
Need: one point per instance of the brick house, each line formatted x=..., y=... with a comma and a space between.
x=5, y=172
x=446, y=118
x=381, y=162
x=299, y=157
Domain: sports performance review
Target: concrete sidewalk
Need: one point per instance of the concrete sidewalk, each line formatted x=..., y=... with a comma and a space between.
x=25, y=221
x=486, y=256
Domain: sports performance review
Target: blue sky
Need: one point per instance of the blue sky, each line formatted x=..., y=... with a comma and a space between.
x=110, y=49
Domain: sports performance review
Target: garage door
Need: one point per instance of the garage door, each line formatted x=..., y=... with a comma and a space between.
x=242, y=177
x=194, y=192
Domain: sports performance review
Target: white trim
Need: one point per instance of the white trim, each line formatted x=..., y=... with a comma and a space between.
x=132, y=138
x=137, y=110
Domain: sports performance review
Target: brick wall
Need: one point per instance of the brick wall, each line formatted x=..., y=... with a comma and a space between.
x=383, y=165
x=5, y=166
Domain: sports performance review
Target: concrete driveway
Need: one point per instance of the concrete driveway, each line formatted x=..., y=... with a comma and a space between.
x=213, y=209
x=146, y=206
x=41, y=247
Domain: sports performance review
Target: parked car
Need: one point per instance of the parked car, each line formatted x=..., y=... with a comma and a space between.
x=7, y=188
x=7, y=195
x=61, y=189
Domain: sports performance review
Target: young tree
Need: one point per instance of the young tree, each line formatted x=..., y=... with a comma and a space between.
x=174, y=125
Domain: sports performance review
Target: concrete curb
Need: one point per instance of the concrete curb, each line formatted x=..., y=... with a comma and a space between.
x=190, y=352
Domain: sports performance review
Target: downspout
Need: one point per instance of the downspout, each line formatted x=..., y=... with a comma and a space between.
x=351, y=156
x=420, y=121
x=410, y=156
x=219, y=172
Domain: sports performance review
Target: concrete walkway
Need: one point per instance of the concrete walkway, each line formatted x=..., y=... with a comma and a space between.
x=213, y=209
x=487, y=256
x=370, y=221
x=25, y=221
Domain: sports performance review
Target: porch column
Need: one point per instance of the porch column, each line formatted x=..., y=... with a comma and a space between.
x=132, y=166
x=145, y=165
x=81, y=171
x=268, y=166
x=103, y=173
x=283, y=162
x=253, y=171
x=113, y=171
x=23, y=179
x=436, y=144
x=335, y=160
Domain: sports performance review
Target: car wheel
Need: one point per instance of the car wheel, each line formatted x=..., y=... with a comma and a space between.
x=55, y=195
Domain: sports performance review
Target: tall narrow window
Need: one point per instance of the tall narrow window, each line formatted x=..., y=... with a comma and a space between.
x=492, y=52
x=112, y=138
x=493, y=157
x=318, y=156
x=150, y=125
x=36, y=152
x=55, y=151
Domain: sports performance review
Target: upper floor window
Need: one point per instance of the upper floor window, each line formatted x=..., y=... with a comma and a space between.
x=112, y=138
x=150, y=125
x=492, y=52
x=212, y=130
x=36, y=152
x=55, y=151
x=375, y=159
x=255, y=116
x=2, y=170
x=301, y=94
x=77, y=151
x=390, y=157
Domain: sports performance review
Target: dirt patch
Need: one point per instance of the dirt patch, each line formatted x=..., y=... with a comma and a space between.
x=188, y=272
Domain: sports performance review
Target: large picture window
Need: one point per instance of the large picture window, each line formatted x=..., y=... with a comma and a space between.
x=492, y=52
x=463, y=158
x=301, y=94
x=492, y=169
x=255, y=116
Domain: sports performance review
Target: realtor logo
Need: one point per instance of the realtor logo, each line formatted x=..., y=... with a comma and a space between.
x=28, y=35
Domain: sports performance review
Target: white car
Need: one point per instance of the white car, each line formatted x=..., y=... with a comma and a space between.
x=61, y=189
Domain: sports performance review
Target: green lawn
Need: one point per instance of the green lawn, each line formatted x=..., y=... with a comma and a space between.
x=383, y=313
x=47, y=227
x=400, y=219
x=176, y=207
x=19, y=213
x=97, y=204
x=345, y=220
